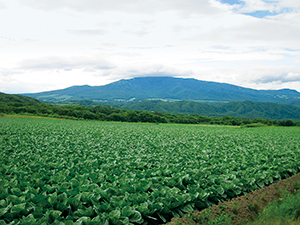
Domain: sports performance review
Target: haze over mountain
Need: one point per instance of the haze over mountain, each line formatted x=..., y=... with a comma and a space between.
x=170, y=89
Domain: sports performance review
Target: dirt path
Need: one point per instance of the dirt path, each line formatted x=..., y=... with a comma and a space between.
x=245, y=208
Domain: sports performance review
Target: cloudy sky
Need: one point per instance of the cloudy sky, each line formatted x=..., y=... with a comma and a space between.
x=54, y=44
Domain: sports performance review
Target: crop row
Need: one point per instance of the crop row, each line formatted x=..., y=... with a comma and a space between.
x=71, y=172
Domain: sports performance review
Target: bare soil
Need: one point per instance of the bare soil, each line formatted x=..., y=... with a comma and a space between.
x=246, y=208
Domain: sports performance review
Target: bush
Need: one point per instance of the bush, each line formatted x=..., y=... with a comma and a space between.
x=252, y=125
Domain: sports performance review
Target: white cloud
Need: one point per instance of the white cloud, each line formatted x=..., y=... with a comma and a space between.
x=99, y=41
x=139, y=33
x=256, y=5
x=186, y=7
x=289, y=3
x=237, y=30
x=88, y=32
x=67, y=64
x=2, y=5
x=284, y=77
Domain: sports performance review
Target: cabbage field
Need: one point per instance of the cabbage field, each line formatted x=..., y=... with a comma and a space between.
x=77, y=172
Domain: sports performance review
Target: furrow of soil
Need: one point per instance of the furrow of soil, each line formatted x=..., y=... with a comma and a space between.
x=246, y=208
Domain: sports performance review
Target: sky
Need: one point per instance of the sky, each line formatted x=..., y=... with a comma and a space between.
x=53, y=44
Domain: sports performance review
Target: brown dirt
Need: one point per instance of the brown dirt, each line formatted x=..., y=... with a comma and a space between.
x=246, y=208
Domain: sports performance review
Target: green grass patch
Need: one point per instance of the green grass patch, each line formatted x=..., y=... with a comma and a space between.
x=285, y=211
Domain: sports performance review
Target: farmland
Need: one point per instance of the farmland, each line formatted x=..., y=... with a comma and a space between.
x=78, y=172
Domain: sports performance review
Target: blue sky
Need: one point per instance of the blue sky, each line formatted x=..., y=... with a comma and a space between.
x=273, y=9
x=232, y=2
x=54, y=44
x=240, y=4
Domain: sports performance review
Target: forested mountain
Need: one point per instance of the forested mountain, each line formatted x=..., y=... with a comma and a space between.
x=17, y=99
x=169, y=88
x=246, y=109
x=226, y=114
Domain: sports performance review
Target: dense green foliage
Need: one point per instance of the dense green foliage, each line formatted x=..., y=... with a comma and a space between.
x=120, y=173
x=16, y=100
x=246, y=109
x=169, y=88
x=107, y=113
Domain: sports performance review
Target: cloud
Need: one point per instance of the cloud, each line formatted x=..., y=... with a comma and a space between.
x=8, y=82
x=87, y=32
x=282, y=31
x=67, y=64
x=262, y=8
x=187, y=7
x=289, y=3
x=280, y=78
x=140, y=33
x=143, y=70
x=2, y=6
x=271, y=31
x=249, y=6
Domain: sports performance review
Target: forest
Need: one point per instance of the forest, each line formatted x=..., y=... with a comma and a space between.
x=18, y=104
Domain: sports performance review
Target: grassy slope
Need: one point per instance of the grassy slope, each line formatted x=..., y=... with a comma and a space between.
x=11, y=98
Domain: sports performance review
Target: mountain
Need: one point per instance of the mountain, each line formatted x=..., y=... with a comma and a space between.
x=10, y=103
x=171, y=89
x=17, y=99
x=245, y=109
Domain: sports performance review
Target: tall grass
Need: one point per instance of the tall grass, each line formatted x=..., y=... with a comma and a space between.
x=282, y=212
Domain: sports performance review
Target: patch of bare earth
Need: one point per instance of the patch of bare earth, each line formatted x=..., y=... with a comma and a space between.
x=245, y=208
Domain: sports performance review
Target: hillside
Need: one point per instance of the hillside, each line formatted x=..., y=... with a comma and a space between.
x=246, y=109
x=168, y=88
x=17, y=99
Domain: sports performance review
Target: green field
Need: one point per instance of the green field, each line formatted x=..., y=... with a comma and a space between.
x=72, y=172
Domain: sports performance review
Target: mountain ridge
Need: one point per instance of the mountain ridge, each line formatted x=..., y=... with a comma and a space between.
x=10, y=103
x=245, y=109
x=168, y=88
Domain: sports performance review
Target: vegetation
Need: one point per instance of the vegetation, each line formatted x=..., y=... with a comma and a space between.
x=75, y=172
x=14, y=104
x=286, y=211
x=275, y=204
x=17, y=100
x=169, y=88
x=245, y=109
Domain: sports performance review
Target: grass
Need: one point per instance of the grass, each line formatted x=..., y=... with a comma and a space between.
x=254, y=207
x=285, y=211
x=277, y=204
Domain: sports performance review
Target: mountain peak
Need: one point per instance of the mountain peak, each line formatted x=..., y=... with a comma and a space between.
x=169, y=88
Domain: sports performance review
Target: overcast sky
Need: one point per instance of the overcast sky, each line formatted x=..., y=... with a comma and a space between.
x=53, y=44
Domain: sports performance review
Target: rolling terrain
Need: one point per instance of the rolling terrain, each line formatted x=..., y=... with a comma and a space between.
x=170, y=89
x=242, y=109
x=246, y=109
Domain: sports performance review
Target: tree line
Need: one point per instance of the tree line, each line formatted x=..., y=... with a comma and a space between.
x=106, y=113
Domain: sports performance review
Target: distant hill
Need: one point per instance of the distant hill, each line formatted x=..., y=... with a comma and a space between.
x=17, y=99
x=10, y=103
x=246, y=109
x=168, y=88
